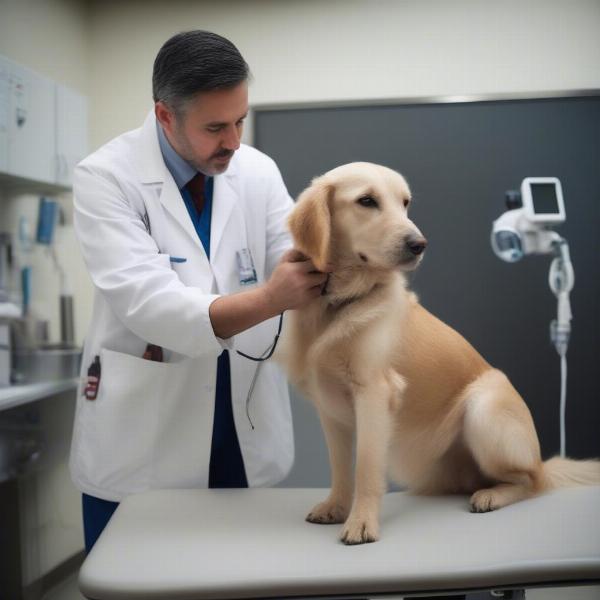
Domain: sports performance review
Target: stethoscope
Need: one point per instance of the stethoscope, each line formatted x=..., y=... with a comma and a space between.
x=270, y=349
x=268, y=352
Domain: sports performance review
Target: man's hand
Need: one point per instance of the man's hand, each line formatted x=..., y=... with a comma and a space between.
x=294, y=282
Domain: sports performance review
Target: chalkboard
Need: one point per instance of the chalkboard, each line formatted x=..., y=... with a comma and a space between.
x=459, y=159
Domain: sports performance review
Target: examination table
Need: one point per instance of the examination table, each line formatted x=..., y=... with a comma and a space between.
x=255, y=543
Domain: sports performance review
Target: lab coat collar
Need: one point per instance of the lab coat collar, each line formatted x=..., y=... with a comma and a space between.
x=152, y=170
x=148, y=158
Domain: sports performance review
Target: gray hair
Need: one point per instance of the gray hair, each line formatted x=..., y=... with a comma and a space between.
x=197, y=61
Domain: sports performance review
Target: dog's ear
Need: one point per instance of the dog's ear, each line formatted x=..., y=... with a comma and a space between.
x=310, y=223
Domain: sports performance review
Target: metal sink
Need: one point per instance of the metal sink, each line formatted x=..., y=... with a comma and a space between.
x=50, y=362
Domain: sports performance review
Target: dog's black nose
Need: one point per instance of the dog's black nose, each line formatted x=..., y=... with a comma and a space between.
x=416, y=244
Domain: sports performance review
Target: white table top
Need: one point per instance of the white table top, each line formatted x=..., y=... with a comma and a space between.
x=198, y=544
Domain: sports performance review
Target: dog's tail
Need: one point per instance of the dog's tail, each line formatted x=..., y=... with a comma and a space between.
x=564, y=472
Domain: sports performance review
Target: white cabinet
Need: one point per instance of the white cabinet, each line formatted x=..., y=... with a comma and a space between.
x=4, y=102
x=31, y=130
x=43, y=126
x=71, y=132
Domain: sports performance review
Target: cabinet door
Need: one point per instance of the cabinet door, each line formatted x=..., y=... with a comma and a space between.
x=31, y=129
x=4, y=108
x=71, y=132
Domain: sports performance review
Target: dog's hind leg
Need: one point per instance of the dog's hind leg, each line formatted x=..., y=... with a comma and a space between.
x=500, y=434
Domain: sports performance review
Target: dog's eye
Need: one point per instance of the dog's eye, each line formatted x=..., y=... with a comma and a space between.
x=368, y=202
x=406, y=202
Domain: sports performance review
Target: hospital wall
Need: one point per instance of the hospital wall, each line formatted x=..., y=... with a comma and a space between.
x=314, y=50
x=299, y=51
x=50, y=37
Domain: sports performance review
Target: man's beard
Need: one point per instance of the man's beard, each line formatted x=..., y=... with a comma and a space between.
x=187, y=153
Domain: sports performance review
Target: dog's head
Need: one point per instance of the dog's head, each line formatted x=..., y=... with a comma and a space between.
x=357, y=213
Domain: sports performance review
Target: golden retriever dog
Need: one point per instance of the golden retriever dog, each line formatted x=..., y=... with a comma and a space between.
x=423, y=406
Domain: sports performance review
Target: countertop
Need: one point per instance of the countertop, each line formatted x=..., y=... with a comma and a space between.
x=15, y=395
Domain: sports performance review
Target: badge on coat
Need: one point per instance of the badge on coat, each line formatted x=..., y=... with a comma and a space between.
x=246, y=267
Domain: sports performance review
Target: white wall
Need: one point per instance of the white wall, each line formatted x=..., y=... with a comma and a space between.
x=322, y=50
x=48, y=36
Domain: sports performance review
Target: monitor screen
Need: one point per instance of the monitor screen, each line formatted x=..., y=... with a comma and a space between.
x=545, y=201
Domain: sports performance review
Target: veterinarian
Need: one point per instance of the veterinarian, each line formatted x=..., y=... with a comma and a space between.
x=183, y=231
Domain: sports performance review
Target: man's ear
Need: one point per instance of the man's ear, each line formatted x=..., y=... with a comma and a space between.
x=162, y=112
x=310, y=223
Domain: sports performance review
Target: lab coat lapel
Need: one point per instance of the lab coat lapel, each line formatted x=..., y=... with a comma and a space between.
x=170, y=198
x=228, y=223
x=225, y=203
x=152, y=170
x=198, y=269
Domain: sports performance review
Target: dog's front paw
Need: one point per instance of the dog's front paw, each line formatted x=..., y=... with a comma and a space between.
x=328, y=512
x=484, y=501
x=360, y=529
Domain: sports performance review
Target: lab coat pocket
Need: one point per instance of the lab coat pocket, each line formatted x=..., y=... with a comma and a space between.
x=126, y=420
x=184, y=433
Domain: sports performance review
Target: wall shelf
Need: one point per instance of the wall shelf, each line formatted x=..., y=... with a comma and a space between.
x=20, y=185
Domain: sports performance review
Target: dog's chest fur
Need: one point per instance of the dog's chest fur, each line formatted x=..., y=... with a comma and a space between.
x=333, y=349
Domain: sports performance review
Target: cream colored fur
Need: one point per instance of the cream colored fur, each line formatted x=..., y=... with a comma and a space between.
x=421, y=404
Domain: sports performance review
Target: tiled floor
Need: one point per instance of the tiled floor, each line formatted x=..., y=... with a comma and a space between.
x=69, y=591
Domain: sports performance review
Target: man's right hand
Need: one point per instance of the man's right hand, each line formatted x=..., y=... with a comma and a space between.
x=294, y=282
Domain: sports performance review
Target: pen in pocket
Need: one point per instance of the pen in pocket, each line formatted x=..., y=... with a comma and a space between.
x=154, y=353
x=92, y=382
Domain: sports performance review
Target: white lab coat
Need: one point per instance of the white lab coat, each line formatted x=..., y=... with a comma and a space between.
x=151, y=423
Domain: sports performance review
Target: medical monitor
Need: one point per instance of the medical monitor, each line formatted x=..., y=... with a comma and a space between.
x=543, y=199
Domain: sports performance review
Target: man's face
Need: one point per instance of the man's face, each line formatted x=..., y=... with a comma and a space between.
x=209, y=130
